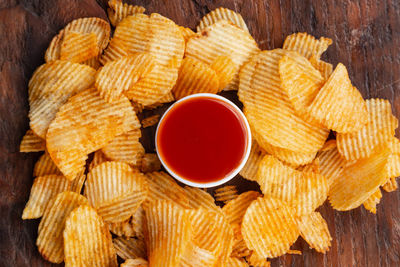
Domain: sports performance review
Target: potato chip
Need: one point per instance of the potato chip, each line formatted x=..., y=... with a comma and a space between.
x=195, y=77
x=339, y=105
x=85, y=124
x=83, y=25
x=269, y=227
x=115, y=190
x=50, y=87
x=306, y=44
x=50, y=241
x=234, y=210
x=138, y=222
x=372, y=201
x=150, y=121
x=119, y=10
x=150, y=163
x=222, y=38
x=225, y=193
x=269, y=111
x=163, y=187
x=45, y=166
x=256, y=260
x=125, y=147
x=294, y=252
x=376, y=133
x=323, y=67
x=314, y=230
x=139, y=262
x=79, y=47
x=359, y=181
x=240, y=248
x=225, y=69
x=124, y=228
x=32, y=143
x=312, y=167
x=168, y=232
x=117, y=77
x=93, y=62
x=390, y=185
x=165, y=99
x=85, y=235
x=199, y=198
x=187, y=33
x=98, y=158
x=222, y=13
x=195, y=256
x=304, y=191
x=44, y=188
x=250, y=169
x=131, y=248
x=154, y=34
x=236, y=262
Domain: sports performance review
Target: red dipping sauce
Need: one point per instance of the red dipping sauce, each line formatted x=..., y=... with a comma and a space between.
x=202, y=139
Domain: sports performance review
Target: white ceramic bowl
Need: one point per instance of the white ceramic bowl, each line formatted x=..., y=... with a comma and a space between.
x=231, y=174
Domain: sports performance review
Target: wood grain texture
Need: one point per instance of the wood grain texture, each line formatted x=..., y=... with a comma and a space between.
x=366, y=38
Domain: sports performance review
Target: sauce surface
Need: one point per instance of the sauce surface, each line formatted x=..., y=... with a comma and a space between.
x=202, y=139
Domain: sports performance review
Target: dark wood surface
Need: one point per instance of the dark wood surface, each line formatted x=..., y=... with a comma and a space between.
x=366, y=38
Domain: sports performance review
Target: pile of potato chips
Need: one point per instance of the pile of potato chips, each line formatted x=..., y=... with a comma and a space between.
x=85, y=99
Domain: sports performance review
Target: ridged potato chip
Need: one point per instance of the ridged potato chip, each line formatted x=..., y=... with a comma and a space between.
x=312, y=167
x=222, y=38
x=50, y=87
x=250, y=169
x=314, y=230
x=359, y=181
x=187, y=33
x=97, y=26
x=323, y=67
x=222, y=13
x=269, y=227
x=150, y=163
x=256, y=260
x=139, y=262
x=378, y=132
x=195, y=77
x=225, y=69
x=118, y=10
x=150, y=121
x=32, y=143
x=304, y=191
x=118, y=76
x=235, y=209
x=339, y=105
x=79, y=47
x=225, y=193
x=85, y=235
x=131, y=248
x=199, y=198
x=195, y=256
x=125, y=147
x=98, y=158
x=85, y=124
x=44, y=188
x=45, y=166
x=124, y=228
x=50, y=241
x=236, y=262
x=268, y=109
x=154, y=34
x=390, y=185
x=115, y=190
x=372, y=201
x=306, y=44
x=138, y=222
x=168, y=232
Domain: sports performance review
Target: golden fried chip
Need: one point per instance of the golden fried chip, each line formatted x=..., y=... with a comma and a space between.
x=314, y=230
x=256, y=260
x=119, y=10
x=125, y=147
x=117, y=77
x=165, y=99
x=93, y=62
x=139, y=262
x=225, y=193
x=115, y=190
x=250, y=169
x=372, y=201
x=378, y=132
x=150, y=121
x=79, y=47
x=339, y=105
x=390, y=185
x=50, y=87
x=222, y=38
x=199, y=198
x=87, y=241
x=225, y=69
x=50, y=234
x=195, y=77
x=45, y=166
x=304, y=191
x=131, y=248
x=44, y=188
x=98, y=158
x=294, y=252
x=163, y=187
x=236, y=262
x=234, y=210
x=323, y=67
x=150, y=163
x=240, y=248
x=269, y=111
x=359, y=181
x=154, y=34
x=168, y=232
x=187, y=33
x=32, y=143
x=124, y=228
x=312, y=167
x=138, y=222
x=222, y=13
x=306, y=44
x=97, y=26
x=85, y=124
x=269, y=227
x=195, y=256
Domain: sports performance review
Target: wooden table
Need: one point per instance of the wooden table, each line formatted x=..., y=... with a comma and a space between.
x=366, y=38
